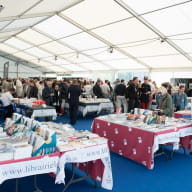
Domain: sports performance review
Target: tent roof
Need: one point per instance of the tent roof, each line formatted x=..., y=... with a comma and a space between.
x=97, y=35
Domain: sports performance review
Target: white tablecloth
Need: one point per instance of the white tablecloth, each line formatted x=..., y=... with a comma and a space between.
x=44, y=113
x=96, y=108
x=24, y=168
x=100, y=151
x=84, y=109
x=56, y=164
x=172, y=137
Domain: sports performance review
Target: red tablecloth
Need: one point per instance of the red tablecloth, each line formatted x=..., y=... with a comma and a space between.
x=178, y=115
x=186, y=142
x=133, y=143
x=182, y=115
x=95, y=169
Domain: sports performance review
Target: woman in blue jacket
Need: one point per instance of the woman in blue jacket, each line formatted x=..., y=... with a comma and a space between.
x=180, y=99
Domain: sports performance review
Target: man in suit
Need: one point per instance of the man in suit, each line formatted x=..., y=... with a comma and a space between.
x=74, y=92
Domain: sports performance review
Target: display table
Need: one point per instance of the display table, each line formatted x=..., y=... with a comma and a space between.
x=55, y=163
x=137, y=143
x=86, y=154
x=25, y=137
x=33, y=112
x=91, y=156
x=89, y=105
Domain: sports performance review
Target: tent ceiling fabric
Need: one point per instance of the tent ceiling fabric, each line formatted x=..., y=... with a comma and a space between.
x=98, y=13
x=150, y=5
x=8, y=34
x=56, y=48
x=97, y=35
x=18, y=44
x=181, y=14
x=128, y=31
x=61, y=27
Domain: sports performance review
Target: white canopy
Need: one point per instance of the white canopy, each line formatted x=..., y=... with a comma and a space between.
x=97, y=35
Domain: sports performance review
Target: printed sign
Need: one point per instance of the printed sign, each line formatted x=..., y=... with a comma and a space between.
x=28, y=168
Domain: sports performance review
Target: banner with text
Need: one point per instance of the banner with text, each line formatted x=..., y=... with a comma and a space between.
x=28, y=168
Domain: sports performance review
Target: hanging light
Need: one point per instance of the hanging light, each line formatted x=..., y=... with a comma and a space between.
x=1, y=7
x=162, y=40
x=110, y=49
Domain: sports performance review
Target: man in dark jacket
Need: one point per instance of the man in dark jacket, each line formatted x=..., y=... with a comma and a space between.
x=48, y=94
x=132, y=94
x=145, y=94
x=64, y=95
x=120, y=97
x=33, y=93
x=74, y=92
x=57, y=99
x=97, y=89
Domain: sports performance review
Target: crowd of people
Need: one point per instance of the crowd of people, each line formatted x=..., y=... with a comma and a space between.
x=137, y=94
x=125, y=95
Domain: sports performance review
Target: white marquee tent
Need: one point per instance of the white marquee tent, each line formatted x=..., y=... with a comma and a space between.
x=97, y=35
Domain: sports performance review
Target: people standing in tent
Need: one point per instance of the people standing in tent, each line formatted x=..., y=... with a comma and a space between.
x=64, y=94
x=132, y=95
x=48, y=94
x=33, y=90
x=145, y=94
x=57, y=98
x=74, y=92
x=19, y=88
x=97, y=89
x=180, y=99
x=120, y=92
